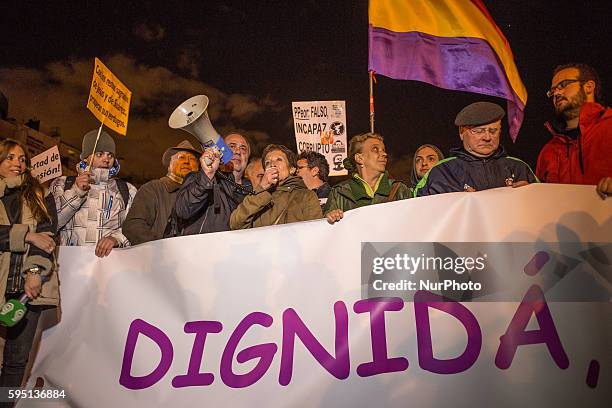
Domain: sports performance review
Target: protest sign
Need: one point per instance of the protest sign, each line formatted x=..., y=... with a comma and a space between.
x=47, y=165
x=321, y=126
x=109, y=99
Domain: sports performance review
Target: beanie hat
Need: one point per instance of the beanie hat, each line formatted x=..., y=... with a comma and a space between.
x=105, y=143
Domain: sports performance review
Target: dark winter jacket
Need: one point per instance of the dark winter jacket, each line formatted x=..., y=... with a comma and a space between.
x=204, y=205
x=463, y=170
x=322, y=193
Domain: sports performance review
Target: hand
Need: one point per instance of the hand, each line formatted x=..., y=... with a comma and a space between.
x=334, y=216
x=33, y=285
x=83, y=180
x=105, y=246
x=604, y=188
x=209, y=162
x=269, y=178
x=41, y=241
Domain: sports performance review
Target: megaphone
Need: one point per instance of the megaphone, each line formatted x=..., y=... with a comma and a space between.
x=191, y=116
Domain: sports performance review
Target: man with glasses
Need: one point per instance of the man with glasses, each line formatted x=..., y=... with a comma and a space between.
x=481, y=163
x=580, y=151
x=313, y=168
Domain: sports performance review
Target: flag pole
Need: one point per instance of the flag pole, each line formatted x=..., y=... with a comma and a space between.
x=372, y=79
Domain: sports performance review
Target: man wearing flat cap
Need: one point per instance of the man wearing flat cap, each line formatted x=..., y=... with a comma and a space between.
x=153, y=204
x=481, y=163
x=92, y=206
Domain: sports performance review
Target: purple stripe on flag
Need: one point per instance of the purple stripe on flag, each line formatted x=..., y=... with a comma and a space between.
x=460, y=63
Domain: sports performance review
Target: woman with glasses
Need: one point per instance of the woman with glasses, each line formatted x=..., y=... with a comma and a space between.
x=27, y=239
x=481, y=163
x=369, y=182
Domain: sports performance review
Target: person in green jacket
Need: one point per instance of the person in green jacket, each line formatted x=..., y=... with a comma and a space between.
x=369, y=182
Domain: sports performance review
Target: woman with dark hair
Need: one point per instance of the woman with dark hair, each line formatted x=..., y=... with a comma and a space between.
x=425, y=157
x=369, y=182
x=281, y=198
x=27, y=245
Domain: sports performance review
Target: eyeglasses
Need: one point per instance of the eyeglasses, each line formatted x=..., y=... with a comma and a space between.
x=482, y=131
x=561, y=86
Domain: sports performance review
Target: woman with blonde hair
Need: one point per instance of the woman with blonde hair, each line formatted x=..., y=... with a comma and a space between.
x=27, y=245
x=369, y=182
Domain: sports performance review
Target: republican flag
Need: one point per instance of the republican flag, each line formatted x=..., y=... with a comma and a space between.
x=452, y=44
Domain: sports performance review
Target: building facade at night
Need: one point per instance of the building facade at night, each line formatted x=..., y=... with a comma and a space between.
x=37, y=142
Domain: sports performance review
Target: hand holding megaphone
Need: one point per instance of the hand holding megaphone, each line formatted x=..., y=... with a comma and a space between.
x=210, y=160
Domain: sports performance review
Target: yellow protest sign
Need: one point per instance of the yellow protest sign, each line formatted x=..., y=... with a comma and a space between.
x=109, y=100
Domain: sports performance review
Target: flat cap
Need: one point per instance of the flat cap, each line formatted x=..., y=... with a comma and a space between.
x=479, y=113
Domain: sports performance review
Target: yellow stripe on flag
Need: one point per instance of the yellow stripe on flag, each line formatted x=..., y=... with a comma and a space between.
x=445, y=18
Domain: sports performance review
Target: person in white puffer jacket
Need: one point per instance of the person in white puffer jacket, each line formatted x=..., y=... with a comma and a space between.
x=92, y=206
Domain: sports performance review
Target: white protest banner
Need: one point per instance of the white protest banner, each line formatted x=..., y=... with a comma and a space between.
x=321, y=126
x=274, y=316
x=109, y=99
x=47, y=165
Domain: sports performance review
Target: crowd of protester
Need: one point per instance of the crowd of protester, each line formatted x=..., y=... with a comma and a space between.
x=200, y=194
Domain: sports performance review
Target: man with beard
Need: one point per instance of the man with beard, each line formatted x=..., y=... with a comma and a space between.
x=481, y=163
x=153, y=204
x=91, y=207
x=580, y=150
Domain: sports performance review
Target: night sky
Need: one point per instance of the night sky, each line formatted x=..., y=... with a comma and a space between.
x=254, y=57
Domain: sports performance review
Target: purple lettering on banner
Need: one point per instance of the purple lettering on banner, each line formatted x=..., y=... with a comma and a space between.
x=516, y=335
x=380, y=362
x=194, y=377
x=292, y=325
x=138, y=327
x=265, y=353
x=423, y=300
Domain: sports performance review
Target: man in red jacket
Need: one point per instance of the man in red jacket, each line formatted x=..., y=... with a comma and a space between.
x=580, y=151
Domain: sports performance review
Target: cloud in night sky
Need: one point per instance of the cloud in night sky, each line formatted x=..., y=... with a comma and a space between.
x=149, y=32
x=61, y=90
